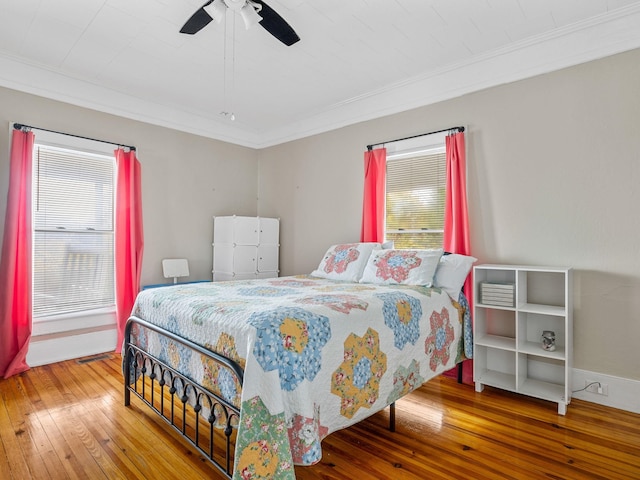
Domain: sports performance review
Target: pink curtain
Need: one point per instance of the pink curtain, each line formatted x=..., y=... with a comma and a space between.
x=15, y=265
x=375, y=178
x=456, y=219
x=129, y=239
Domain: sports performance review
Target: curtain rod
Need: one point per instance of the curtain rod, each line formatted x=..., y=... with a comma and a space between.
x=20, y=126
x=460, y=130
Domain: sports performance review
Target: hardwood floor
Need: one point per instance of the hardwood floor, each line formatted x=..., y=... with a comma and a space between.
x=67, y=420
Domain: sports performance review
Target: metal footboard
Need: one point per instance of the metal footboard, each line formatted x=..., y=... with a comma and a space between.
x=202, y=417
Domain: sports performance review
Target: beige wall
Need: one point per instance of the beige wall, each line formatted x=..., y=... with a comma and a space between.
x=186, y=179
x=553, y=173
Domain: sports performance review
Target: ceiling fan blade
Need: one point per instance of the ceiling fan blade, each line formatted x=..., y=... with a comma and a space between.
x=197, y=21
x=276, y=25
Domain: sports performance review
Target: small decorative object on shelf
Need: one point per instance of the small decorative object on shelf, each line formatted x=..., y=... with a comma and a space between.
x=549, y=340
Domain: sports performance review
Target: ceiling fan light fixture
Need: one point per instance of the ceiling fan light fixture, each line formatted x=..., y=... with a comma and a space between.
x=235, y=4
x=217, y=9
x=252, y=12
x=250, y=15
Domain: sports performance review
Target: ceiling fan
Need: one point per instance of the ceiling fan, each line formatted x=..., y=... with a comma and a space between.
x=251, y=11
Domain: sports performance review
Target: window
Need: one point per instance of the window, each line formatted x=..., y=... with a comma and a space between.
x=73, y=247
x=415, y=198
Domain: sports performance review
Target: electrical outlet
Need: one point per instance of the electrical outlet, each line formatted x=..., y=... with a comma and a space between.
x=596, y=387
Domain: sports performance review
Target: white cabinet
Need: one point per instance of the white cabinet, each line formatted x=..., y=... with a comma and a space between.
x=508, y=347
x=245, y=247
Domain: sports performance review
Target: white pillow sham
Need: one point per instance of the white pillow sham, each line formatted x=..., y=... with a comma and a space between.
x=408, y=267
x=345, y=261
x=452, y=272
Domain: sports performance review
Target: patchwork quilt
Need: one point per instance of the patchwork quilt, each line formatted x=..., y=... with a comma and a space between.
x=318, y=354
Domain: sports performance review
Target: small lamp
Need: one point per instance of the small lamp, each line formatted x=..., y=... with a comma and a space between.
x=175, y=267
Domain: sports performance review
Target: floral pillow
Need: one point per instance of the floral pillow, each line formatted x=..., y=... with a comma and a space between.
x=408, y=267
x=345, y=261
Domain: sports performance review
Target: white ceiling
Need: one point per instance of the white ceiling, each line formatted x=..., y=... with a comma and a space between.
x=357, y=59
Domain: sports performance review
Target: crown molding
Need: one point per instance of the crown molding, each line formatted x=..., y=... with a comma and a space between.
x=598, y=37
x=17, y=74
x=604, y=35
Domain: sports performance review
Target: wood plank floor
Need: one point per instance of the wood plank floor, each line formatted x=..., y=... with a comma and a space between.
x=67, y=420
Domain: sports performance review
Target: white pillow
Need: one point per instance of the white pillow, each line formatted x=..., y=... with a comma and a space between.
x=345, y=261
x=452, y=272
x=408, y=267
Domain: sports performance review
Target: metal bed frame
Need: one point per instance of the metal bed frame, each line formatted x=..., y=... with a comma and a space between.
x=208, y=408
x=181, y=390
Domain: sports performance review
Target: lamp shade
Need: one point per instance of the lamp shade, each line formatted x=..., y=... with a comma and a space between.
x=217, y=9
x=175, y=267
x=249, y=15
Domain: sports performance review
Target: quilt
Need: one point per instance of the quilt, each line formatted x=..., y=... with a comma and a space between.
x=318, y=354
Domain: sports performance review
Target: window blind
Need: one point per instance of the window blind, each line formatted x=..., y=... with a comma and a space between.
x=415, y=198
x=73, y=265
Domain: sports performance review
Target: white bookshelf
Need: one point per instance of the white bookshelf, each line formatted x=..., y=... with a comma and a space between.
x=508, y=351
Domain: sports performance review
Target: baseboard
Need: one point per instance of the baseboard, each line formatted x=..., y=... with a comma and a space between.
x=52, y=348
x=623, y=393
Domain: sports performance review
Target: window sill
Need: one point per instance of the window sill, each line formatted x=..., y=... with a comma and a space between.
x=74, y=321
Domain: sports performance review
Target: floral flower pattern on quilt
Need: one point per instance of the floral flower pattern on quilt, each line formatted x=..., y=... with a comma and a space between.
x=265, y=291
x=219, y=379
x=305, y=435
x=262, y=445
x=290, y=337
x=402, y=314
x=426, y=291
x=341, y=257
x=231, y=306
x=177, y=356
x=467, y=326
x=339, y=303
x=174, y=354
x=357, y=379
x=295, y=282
x=436, y=346
x=290, y=340
x=460, y=351
x=168, y=294
x=347, y=287
x=405, y=380
x=141, y=335
x=396, y=265
x=201, y=311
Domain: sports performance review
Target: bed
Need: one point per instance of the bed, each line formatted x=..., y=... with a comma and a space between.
x=264, y=369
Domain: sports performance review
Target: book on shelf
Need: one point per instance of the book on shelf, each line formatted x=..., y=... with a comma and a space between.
x=498, y=286
x=499, y=294
x=498, y=303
